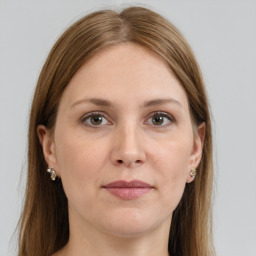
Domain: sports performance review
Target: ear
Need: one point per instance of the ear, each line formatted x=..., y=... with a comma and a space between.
x=48, y=146
x=197, y=150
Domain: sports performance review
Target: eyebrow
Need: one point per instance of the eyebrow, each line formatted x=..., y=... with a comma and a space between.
x=106, y=103
x=95, y=101
x=158, y=102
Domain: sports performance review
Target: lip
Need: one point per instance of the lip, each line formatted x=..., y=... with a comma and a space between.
x=128, y=190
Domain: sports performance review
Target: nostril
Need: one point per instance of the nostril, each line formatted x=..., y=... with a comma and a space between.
x=119, y=161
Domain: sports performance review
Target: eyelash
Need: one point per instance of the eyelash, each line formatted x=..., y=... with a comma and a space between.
x=88, y=116
x=152, y=115
x=164, y=115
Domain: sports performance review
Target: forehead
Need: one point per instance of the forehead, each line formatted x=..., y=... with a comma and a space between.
x=125, y=72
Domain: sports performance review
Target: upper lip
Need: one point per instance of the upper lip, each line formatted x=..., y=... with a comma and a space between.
x=128, y=184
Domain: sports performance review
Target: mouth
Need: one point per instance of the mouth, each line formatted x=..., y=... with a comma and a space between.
x=128, y=190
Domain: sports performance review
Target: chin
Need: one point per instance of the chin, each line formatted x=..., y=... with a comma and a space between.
x=132, y=222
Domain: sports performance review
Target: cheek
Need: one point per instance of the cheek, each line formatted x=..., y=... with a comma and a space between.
x=79, y=161
x=172, y=164
x=77, y=154
x=173, y=156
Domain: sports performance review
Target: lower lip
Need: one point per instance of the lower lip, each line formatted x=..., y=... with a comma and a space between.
x=128, y=193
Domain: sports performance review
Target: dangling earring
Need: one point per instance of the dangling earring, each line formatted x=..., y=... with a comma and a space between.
x=52, y=172
x=193, y=172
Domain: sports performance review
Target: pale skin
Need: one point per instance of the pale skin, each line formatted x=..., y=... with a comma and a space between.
x=123, y=116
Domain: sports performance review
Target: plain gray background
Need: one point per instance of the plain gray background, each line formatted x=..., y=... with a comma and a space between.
x=223, y=36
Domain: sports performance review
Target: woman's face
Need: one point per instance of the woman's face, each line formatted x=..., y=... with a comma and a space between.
x=124, y=117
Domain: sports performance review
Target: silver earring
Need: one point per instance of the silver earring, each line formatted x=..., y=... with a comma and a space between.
x=193, y=172
x=52, y=172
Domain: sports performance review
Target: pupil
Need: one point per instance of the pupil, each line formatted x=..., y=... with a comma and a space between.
x=96, y=120
x=158, y=120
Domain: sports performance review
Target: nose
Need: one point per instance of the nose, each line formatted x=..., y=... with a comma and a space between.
x=128, y=149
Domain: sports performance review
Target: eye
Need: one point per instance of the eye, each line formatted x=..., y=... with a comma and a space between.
x=95, y=119
x=160, y=119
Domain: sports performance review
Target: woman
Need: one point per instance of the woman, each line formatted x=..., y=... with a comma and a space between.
x=120, y=146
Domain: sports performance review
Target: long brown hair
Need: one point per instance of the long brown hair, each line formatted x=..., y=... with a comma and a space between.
x=44, y=226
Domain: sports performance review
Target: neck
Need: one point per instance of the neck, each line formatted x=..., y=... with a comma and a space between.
x=116, y=247
x=86, y=241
